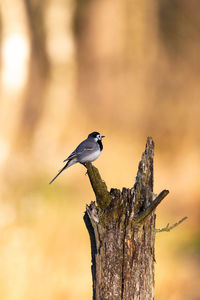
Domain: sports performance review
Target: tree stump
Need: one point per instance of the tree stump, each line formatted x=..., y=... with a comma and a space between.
x=121, y=225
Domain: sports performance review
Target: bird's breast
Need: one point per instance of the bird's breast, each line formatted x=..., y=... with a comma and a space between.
x=90, y=156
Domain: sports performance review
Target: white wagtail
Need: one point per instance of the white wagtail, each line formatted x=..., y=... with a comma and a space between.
x=88, y=150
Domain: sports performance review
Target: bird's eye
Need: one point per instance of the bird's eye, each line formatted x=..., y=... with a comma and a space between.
x=98, y=136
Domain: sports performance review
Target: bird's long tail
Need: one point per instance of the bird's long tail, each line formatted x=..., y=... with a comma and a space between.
x=59, y=172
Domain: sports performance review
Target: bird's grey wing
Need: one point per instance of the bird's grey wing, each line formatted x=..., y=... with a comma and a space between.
x=85, y=149
x=85, y=146
x=71, y=156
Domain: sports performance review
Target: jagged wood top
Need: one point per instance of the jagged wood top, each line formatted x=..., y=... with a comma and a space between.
x=142, y=201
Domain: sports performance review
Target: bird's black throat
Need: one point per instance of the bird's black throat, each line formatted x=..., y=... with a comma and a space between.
x=100, y=145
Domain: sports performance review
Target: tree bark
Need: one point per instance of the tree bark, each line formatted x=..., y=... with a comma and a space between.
x=121, y=225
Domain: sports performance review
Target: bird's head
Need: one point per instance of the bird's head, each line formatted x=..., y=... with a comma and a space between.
x=96, y=136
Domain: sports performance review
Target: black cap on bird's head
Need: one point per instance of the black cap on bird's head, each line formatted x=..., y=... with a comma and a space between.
x=96, y=135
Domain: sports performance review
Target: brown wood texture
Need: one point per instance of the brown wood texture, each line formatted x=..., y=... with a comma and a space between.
x=121, y=225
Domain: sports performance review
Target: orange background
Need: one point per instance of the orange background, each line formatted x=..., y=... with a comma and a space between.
x=128, y=69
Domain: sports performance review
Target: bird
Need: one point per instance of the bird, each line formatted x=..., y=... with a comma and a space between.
x=88, y=150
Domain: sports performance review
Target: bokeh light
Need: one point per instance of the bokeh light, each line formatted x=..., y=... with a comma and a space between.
x=15, y=56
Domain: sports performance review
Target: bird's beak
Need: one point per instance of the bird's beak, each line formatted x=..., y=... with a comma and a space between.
x=102, y=136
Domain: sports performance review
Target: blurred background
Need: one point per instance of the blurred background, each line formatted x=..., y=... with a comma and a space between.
x=128, y=69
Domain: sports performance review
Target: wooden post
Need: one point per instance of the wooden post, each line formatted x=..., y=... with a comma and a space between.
x=121, y=225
